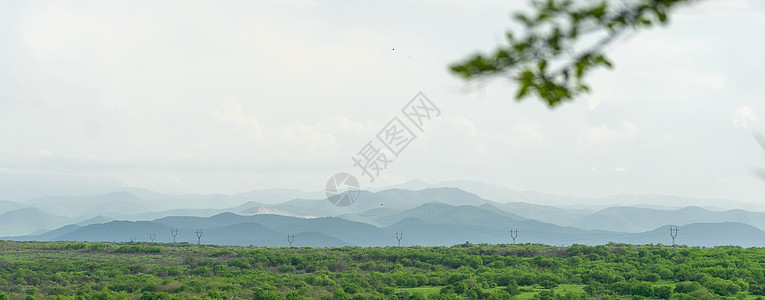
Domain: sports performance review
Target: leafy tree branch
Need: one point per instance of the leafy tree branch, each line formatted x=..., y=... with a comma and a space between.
x=551, y=31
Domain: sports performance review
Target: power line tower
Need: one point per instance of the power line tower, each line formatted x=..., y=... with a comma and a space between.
x=174, y=232
x=673, y=233
x=152, y=236
x=199, y=236
x=513, y=234
x=290, y=238
x=399, y=236
x=132, y=239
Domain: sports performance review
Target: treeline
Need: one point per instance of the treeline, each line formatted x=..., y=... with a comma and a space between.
x=79, y=270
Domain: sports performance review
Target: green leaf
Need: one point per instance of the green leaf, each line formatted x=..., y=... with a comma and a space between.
x=601, y=59
x=523, y=19
x=580, y=65
x=599, y=11
x=510, y=37
x=522, y=91
x=583, y=88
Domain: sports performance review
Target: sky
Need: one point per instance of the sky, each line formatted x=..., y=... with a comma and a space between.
x=230, y=96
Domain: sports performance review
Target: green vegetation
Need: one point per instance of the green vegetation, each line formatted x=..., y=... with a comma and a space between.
x=81, y=270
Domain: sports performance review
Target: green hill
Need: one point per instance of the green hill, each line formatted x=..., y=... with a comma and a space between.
x=426, y=224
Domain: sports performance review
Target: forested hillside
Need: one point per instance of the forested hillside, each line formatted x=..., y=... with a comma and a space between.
x=82, y=270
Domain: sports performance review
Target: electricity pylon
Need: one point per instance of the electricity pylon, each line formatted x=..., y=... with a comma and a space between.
x=399, y=236
x=174, y=232
x=199, y=236
x=290, y=238
x=673, y=233
x=513, y=234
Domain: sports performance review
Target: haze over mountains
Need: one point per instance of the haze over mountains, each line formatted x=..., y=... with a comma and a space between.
x=441, y=214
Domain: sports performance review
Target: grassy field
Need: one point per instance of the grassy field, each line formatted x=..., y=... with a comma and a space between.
x=81, y=270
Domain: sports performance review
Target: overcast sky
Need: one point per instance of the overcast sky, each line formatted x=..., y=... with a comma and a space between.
x=229, y=96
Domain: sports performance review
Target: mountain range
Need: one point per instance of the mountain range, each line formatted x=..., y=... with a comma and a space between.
x=427, y=225
x=428, y=216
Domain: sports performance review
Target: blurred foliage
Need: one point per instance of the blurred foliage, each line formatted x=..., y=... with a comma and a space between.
x=543, y=60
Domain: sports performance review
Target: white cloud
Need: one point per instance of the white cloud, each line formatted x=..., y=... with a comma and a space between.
x=743, y=116
x=456, y=124
x=344, y=124
x=233, y=113
x=690, y=79
x=59, y=32
x=653, y=46
x=530, y=129
x=713, y=81
x=593, y=102
x=44, y=152
x=305, y=135
x=716, y=7
x=294, y=3
x=620, y=169
x=596, y=134
x=277, y=141
x=760, y=17
x=630, y=129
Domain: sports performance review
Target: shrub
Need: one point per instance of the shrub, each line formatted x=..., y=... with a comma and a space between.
x=644, y=289
x=139, y=249
x=663, y=292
